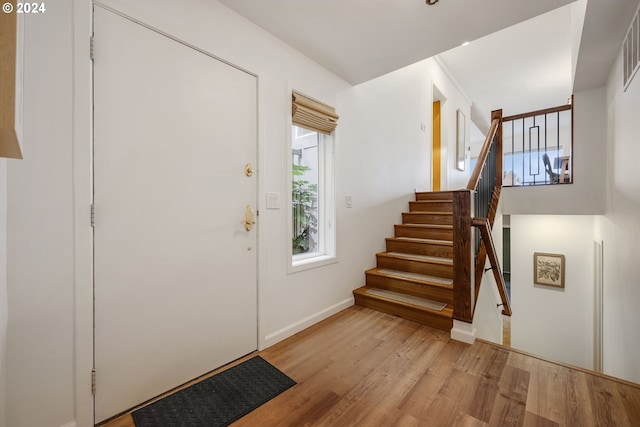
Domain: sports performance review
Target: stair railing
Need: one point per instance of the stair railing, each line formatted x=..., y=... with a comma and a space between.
x=476, y=207
x=538, y=147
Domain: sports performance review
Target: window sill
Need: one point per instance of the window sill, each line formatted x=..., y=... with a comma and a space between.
x=312, y=262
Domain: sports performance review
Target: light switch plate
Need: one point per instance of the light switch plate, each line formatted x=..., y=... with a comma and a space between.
x=273, y=200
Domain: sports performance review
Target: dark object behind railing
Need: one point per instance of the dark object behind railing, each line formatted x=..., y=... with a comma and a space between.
x=538, y=147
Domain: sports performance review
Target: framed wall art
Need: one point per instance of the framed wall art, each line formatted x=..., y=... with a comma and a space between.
x=548, y=269
x=460, y=140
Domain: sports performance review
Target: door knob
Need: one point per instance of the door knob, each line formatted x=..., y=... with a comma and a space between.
x=248, y=218
x=248, y=169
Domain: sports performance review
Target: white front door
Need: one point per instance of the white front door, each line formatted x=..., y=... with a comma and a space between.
x=175, y=269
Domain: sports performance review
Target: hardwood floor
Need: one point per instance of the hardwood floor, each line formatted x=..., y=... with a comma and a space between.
x=365, y=368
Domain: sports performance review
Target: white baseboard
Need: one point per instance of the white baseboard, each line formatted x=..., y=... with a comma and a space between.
x=69, y=424
x=463, y=331
x=293, y=329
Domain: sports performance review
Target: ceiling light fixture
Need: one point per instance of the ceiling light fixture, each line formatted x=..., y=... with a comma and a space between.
x=432, y=2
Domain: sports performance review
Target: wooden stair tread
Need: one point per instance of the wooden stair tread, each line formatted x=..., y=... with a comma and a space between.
x=432, y=201
x=407, y=299
x=429, y=213
x=445, y=261
x=438, y=319
x=434, y=195
x=419, y=240
x=427, y=226
x=414, y=277
x=416, y=270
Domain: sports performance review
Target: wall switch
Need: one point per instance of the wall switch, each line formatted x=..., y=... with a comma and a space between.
x=273, y=200
x=348, y=201
x=423, y=127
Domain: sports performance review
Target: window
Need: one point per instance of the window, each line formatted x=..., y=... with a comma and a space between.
x=312, y=188
x=312, y=216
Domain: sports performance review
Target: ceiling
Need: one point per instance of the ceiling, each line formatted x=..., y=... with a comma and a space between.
x=521, y=57
x=363, y=39
x=522, y=68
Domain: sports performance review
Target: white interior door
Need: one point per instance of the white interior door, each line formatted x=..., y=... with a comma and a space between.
x=175, y=270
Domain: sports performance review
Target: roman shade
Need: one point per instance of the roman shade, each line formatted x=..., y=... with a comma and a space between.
x=314, y=115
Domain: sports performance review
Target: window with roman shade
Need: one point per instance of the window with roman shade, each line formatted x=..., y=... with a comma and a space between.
x=312, y=220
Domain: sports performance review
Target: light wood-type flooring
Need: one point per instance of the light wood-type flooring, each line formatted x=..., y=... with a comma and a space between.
x=365, y=368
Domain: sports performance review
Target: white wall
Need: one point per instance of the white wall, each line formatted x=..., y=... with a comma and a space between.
x=3, y=290
x=586, y=196
x=552, y=322
x=456, y=99
x=620, y=229
x=40, y=337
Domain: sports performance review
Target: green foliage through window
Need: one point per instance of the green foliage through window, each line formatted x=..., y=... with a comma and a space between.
x=305, y=211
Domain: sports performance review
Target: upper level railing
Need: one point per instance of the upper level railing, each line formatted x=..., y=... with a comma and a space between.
x=476, y=207
x=538, y=147
x=533, y=149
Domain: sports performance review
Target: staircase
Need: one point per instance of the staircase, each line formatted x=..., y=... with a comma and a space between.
x=414, y=276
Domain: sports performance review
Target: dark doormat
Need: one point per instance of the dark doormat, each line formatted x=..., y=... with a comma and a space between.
x=218, y=400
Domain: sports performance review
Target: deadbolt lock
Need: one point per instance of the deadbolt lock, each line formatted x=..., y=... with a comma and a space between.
x=248, y=169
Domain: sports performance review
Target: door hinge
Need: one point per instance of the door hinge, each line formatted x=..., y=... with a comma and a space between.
x=91, y=47
x=93, y=381
x=93, y=215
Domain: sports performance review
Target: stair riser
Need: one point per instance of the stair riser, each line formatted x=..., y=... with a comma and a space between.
x=431, y=206
x=423, y=233
x=434, y=293
x=435, y=321
x=416, y=218
x=438, y=195
x=414, y=266
x=419, y=248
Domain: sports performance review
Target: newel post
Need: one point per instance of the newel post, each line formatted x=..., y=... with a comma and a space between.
x=462, y=308
x=463, y=297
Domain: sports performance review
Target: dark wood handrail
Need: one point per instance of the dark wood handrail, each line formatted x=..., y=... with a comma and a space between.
x=537, y=113
x=482, y=157
x=485, y=231
x=481, y=256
